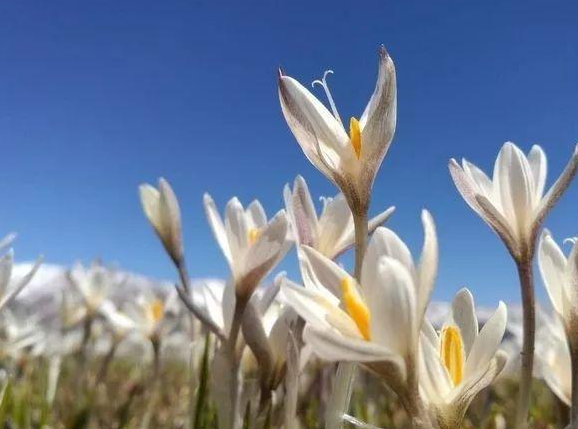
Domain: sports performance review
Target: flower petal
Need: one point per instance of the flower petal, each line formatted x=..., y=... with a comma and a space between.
x=516, y=185
x=313, y=126
x=378, y=121
x=217, y=226
x=488, y=340
x=552, y=265
x=392, y=303
x=301, y=211
x=318, y=310
x=334, y=227
x=428, y=265
x=464, y=316
x=330, y=345
x=539, y=168
x=385, y=242
x=318, y=270
x=256, y=214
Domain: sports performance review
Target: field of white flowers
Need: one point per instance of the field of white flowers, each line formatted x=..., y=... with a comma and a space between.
x=330, y=348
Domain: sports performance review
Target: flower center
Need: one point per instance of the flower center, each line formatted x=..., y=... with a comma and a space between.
x=156, y=310
x=355, y=136
x=451, y=353
x=253, y=234
x=355, y=307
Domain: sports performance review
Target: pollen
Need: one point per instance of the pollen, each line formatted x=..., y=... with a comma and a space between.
x=451, y=353
x=355, y=136
x=355, y=307
x=156, y=310
x=253, y=235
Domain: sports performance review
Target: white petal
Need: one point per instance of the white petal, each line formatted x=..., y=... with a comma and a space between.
x=378, y=121
x=331, y=345
x=318, y=270
x=256, y=214
x=434, y=378
x=484, y=185
x=488, y=340
x=391, y=301
x=267, y=250
x=428, y=265
x=301, y=212
x=13, y=292
x=6, y=271
x=516, y=185
x=539, y=167
x=335, y=223
x=312, y=124
x=552, y=265
x=237, y=232
x=217, y=226
x=481, y=378
x=464, y=316
x=385, y=242
x=317, y=310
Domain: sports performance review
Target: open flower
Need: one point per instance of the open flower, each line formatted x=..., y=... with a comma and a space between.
x=348, y=158
x=553, y=358
x=560, y=276
x=161, y=208
x=460, y=361
x=10, y=287
x=93, y=284
x=332, y=233
x=378, y=322
x=513, y=202
x=251, y=245
x=150, y=316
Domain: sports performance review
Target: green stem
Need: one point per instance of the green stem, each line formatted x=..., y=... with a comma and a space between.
x=524, y=265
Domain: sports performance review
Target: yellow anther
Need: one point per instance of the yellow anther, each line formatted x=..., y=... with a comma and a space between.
x=451, y=353
x=253, y=235
x=355, y=136
x=156, y=310
x=355, y=307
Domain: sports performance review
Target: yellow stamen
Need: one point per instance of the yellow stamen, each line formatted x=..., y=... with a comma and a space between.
x=451, y=353
x=355, y=307
x=156, y=310
x=253, y=235
x=355, y=136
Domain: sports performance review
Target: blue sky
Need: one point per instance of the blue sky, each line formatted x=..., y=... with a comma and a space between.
x=97, y=97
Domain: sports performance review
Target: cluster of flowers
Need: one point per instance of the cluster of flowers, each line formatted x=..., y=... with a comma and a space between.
x=376, y=316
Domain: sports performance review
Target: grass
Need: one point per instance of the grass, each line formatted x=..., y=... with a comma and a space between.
x=124, y=397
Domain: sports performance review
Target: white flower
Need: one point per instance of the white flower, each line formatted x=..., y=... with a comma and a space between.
x=251, y=245
x=332, y=233
x=9, y=286
x=560, y=276
x=513, y=202
x=377, y=323
x=149, y=314
x=93, y=284
x=349, y=159
x=460, y=361
x=553, y=358
x=120, y=324
x=21, y=336
x=161, y=208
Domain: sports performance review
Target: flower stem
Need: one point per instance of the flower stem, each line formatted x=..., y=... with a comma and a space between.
x=346, y=370
x=574, y=362
x=524, y=265
x=240, y=305
x=361, y=228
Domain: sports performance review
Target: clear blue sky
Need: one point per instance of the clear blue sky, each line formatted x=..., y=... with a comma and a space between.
x=97, y=97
